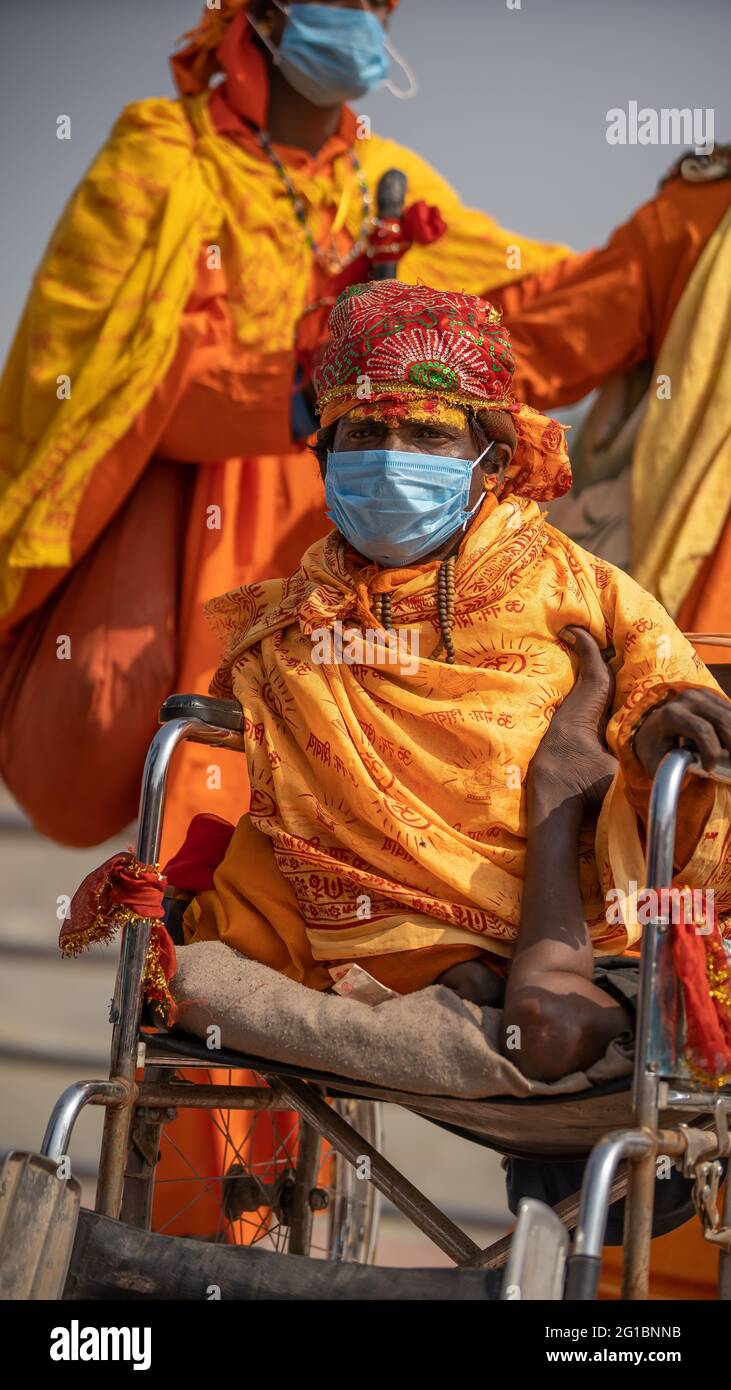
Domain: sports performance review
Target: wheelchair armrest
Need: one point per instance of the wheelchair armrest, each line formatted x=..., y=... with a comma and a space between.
x=222, y=714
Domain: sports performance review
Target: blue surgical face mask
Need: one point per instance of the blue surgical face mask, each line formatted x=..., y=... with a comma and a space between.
x=330, y=55
x=397, y=507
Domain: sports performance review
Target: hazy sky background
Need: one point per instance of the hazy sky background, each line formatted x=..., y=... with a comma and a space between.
x=511, y=108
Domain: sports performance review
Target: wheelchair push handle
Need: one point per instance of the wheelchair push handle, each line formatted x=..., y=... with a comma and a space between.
x=200, y=719
x=220, y=714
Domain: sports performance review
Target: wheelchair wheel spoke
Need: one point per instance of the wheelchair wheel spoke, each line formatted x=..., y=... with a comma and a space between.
x=249, y=1199
x=205, y=1184
x=181, y=1212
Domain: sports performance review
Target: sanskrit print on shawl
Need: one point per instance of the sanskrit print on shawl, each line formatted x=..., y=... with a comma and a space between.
x=393, y=797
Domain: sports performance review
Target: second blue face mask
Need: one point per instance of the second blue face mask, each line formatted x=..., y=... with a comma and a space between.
x=396, y=507
x=330, y=55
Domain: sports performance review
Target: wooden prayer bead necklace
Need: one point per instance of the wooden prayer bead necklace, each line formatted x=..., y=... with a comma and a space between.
x=383, y=609
x=445, y=608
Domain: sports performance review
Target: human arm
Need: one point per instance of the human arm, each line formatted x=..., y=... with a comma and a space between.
x=564, y=1022
x=605, y=311
x=580, y=321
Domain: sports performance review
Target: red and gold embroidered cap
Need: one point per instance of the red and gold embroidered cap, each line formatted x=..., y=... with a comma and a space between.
x=398, y=349
x=392, y=339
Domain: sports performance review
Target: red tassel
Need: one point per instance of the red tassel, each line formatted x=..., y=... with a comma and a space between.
x=702, y=966
x=160, y=967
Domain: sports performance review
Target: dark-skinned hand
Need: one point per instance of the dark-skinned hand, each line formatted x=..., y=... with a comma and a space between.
x=572, y=758
x=699, y=717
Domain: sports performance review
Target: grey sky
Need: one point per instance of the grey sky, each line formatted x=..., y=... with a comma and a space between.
x=511, y=109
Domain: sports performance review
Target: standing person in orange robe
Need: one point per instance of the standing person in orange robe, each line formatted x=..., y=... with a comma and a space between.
x=606, y=311
x=162, y=466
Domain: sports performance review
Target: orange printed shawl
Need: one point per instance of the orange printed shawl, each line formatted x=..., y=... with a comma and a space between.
x=393, y=800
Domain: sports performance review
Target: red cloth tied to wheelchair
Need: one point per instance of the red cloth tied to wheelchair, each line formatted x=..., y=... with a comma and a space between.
x=120, y=890
x=704, y=971
x=123, y=890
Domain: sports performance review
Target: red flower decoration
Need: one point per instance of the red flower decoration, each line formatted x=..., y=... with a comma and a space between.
x=422, y=223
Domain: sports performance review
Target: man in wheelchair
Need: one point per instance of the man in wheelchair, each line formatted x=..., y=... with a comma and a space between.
x=453, y=713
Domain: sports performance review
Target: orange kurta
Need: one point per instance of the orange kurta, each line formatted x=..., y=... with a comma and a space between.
x=572, y=327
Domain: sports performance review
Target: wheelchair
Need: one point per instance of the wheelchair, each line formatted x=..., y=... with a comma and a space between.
x=315, y=1190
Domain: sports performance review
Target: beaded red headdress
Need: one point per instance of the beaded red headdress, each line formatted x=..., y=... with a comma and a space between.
x=392, y=339
x=395, y=348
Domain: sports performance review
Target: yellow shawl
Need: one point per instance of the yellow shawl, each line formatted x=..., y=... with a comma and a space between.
x=681, y=471
x=393, y=796
x=101, y=324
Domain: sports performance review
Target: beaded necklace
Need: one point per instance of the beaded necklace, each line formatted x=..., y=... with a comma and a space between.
x=327, y=256
x=383, y=610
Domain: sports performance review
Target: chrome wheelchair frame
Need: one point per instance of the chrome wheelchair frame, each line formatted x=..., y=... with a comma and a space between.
x=660, y=1081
